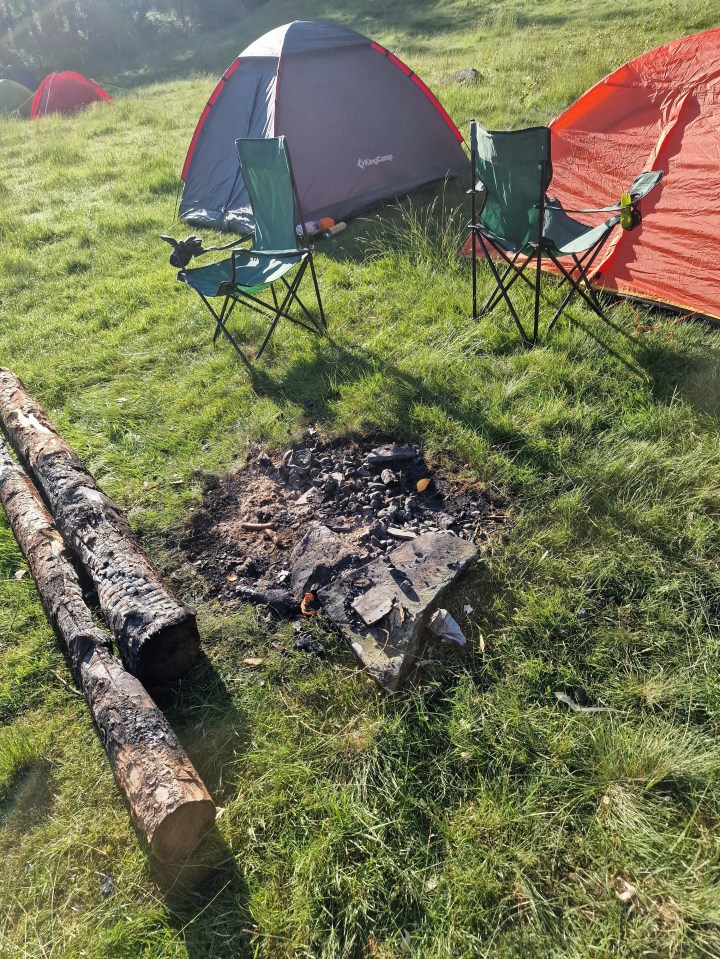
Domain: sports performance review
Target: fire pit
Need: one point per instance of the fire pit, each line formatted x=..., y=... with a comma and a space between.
x=370, y=532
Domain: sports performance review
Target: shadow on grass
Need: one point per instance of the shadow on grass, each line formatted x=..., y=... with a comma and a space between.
x=207, y=896
x=207, y=900
x=212, y=730
x=29, y=800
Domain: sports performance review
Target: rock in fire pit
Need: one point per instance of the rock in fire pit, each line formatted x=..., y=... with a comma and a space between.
x=384, y=607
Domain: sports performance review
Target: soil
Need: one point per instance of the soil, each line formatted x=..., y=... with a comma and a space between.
x=241, y=537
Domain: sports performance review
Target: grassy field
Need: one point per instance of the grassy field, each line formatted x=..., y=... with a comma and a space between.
x=471, y=817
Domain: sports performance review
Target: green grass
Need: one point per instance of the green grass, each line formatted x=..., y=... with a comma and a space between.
x=471, y=817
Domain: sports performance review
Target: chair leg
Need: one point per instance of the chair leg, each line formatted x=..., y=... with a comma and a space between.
x=221, y=319
x=536, y=318
x=280, y=312
x=276, y=309
x=576, y=284
x=519, y=274
x=323, y=321
x=503, y=290
x=473, y=254
x=312, y=324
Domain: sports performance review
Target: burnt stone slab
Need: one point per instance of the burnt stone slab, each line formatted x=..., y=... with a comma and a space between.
x=384, y=607
x=320, y=555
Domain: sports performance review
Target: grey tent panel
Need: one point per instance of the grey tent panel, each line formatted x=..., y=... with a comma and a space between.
x=359, y=126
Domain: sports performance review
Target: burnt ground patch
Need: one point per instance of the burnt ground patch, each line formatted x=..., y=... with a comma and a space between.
x=241, y=538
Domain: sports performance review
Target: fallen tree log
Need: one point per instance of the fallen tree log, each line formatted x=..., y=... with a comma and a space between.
x=168, y=801
x=157, y=636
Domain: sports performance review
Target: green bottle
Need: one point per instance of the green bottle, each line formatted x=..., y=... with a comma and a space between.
x=627, y=220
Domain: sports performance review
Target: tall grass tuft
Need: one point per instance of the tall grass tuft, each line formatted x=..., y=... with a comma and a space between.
x=426, y=235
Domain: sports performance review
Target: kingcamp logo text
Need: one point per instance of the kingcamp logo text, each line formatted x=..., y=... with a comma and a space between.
x=376, y=161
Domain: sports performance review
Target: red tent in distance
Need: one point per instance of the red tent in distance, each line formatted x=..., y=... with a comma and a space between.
x=65, y=93
x=660, y=111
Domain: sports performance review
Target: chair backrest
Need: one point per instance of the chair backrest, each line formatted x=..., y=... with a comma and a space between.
x=515, y=169
x=265, y=166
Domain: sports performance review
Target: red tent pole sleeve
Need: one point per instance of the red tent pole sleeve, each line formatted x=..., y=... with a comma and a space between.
x=419, y=83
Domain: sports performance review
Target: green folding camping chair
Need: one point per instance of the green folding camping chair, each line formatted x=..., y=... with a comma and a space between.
x=276, y=249
x=517, y=225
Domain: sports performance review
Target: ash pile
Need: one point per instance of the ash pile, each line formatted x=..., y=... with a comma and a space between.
x=373, y=536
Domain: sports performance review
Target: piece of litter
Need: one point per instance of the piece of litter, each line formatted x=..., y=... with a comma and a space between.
x=219, y=810
x=624, y=890
x=444, y=626
x=231, y=577
x=468, y=609
x=308, y=605
x=576, y=708
x=481, y=643
x=253, y=661
x=423, y=484
x=20, y=574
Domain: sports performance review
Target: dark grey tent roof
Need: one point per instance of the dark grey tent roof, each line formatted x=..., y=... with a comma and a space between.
x=359, y=124
x=21, y=74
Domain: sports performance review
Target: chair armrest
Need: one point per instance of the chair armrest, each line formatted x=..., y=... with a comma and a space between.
x=643, y=184
x=242, y=239
x=275, y=254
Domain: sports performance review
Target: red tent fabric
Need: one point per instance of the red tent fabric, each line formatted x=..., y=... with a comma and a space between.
x=65, y=93
x=660, y=111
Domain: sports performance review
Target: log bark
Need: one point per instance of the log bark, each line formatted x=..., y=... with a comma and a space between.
x=168, y=801
x=157, y=636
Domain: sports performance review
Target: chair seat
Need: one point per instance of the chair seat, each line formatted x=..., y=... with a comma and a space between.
x=252, y=274
x=562, y=234
x=568, y=235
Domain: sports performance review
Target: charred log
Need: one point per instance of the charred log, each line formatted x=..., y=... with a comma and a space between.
x=156, y=635
x=168, y=801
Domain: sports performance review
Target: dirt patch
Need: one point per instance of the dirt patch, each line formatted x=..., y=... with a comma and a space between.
x=242, y=536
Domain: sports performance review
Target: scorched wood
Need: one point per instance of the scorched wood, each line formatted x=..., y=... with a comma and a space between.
x=157, y=636
x=167, y=798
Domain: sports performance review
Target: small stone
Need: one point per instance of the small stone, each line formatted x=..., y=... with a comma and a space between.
x=466, y=75
x=303, y=459
x=307, y=644
x=313, y=495
x=249, y=568
x=388, y=477
x=398, y=533
x=392, y=453
x=373, y=605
